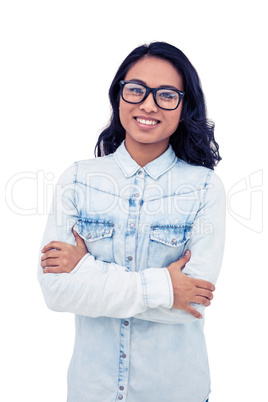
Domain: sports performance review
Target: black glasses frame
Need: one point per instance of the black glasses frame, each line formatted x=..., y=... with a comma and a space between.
x=148, y=91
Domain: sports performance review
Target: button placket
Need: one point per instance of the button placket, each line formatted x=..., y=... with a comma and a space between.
x=130, y=253
x=124, y=359
x=133, y=219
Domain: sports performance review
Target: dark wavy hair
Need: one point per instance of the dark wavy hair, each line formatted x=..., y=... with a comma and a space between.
x=193, y=141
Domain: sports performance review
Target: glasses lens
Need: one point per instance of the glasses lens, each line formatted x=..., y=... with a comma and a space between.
x=167, y=98
x=133, y=93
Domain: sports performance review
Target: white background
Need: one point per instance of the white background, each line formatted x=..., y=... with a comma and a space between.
x=57, y=61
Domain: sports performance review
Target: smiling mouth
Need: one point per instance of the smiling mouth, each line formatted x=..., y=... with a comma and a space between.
x=147, y=122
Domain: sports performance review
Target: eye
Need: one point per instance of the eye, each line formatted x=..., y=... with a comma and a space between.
x=134, y=89
x=133, y=92
x=167, y=95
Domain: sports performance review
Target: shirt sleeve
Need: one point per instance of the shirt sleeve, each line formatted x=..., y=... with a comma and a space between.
x=206, y=245
x=95, y=288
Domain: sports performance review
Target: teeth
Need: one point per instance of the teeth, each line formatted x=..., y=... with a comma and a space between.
x=148, y=122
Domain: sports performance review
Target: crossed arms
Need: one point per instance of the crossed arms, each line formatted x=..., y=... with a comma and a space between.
x=73, y=280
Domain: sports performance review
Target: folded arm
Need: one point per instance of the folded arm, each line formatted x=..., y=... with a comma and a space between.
x=95, y=288
x=206, y=245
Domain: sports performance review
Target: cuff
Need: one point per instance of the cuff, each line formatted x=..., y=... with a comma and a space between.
x=157, y=288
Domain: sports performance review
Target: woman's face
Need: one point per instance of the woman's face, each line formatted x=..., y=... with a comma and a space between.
x=146, y=123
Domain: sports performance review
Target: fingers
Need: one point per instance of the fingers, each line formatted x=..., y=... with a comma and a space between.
x=194, y=312
x=202, y=300
x=200, y=283
x=203, y=297
x=50, y=258
x=53, y=270
x=50, y=254
x=49, y=262
x=60, y=257
x=56, y=265
x=183, y=261
x=57, y=245
x=204, y=293
x=79, y=241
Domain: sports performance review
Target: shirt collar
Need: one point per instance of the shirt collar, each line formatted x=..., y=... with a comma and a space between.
x=154, y=168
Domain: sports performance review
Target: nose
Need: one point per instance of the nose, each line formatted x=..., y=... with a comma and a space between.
x=149, y=105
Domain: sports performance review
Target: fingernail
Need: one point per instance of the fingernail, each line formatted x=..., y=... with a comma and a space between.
x=187, y=252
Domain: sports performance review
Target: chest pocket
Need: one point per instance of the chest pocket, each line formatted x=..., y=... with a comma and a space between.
x=98, y=236
x=167, y=243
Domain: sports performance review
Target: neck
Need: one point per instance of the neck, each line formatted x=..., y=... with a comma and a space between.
x=145, y=153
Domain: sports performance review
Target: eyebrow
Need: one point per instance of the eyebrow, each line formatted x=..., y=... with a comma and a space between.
x=161, y=86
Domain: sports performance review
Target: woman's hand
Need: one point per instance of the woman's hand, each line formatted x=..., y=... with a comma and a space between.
x=189, y=290
x=62, y=257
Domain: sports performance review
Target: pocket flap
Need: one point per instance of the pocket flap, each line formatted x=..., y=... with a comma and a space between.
x=171, y=235
x=92, y=230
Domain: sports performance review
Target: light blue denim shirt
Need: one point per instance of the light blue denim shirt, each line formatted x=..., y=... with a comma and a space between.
x=130, y=344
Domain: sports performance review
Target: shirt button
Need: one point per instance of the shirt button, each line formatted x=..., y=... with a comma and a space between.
x=174, y=241
x=121, y=388
x=136, y=195
x=124, y=355
x=140, y=172
x=120, y=396
x=132, y=225
x=89, y=236
x=126, y=323
x=130, y=258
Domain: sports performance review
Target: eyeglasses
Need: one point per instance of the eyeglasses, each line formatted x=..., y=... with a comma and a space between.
x=165, y=98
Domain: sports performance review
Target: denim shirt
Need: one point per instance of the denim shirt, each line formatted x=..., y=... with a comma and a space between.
x=130, y=344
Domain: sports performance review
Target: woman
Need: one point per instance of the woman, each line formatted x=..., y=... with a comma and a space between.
x=148, y=221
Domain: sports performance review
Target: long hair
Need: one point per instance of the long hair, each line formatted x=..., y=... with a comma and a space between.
x=193, y=141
